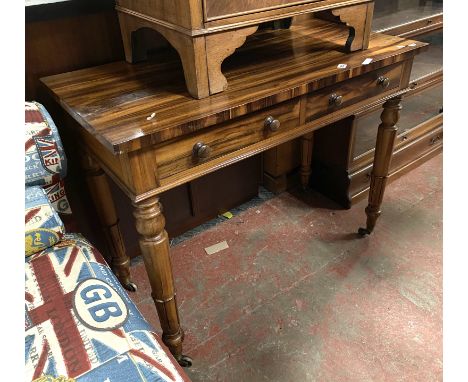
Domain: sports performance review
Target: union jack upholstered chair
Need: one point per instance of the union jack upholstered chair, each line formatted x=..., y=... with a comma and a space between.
x=80, y=324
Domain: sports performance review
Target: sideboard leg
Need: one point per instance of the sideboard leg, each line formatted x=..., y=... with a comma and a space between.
x=307, y=145
x=383, y=155
x=105, y=208
x=192, y=52
x=154, y=245
x=359, y=20
x=220, y=46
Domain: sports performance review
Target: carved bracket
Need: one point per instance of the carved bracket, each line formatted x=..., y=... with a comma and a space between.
x=357, y=18
x=219, y=47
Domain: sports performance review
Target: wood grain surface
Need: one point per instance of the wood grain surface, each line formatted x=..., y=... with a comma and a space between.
x=223, y=8
x=128, y=107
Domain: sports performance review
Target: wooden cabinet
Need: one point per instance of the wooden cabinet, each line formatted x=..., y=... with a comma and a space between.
x=206, y=32
x=131, y=125
x=420, y=128
x=344, y=175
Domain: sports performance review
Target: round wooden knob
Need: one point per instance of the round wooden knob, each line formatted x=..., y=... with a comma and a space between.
x=201, y=151
x=272, y=123
x=336, y=100
x=383, y=82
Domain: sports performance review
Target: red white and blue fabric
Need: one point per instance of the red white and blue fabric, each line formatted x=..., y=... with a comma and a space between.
x=43, y=227
x=45, y=160
x=81, y=324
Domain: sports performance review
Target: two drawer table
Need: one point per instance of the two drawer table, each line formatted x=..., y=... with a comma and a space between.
x=138, y=125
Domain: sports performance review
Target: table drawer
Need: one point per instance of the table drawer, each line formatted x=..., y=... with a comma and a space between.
x=348, y=92
x=194, y=149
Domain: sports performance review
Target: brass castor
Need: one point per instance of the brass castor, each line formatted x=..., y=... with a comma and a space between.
x=185, y=361
x=363, y=232
x=130, y=286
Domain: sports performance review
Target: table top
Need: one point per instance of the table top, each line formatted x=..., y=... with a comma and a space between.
x=131, y=106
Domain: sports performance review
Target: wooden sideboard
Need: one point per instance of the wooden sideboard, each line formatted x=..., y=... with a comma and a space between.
x=206, y=32
x=138, y=125
x=342, y=162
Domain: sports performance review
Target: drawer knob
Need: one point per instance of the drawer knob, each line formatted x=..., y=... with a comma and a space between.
x=384, y=82
x=272, y=123
x=336, y=100
x=434, y=140
x=201, y=151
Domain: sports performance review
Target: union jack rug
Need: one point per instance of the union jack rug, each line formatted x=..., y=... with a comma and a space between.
x=80, y=324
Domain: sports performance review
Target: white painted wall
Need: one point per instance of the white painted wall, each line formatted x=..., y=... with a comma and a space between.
x=38, y=2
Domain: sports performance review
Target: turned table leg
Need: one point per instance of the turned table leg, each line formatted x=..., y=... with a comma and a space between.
x=382, y=160
x=154, y=245
x=307, y=145
x=105, y=208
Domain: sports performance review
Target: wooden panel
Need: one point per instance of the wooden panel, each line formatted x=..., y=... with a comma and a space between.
x=352, y=91
x=175, y=157
x=406, y=15
x=63, y=44
x=415, y=162
x=282, y=159
x=222, y=8
x=403, y=155
x=418, y=107
x=184, y=13
x=189, y=205
x=116, y=101
x=416, y=28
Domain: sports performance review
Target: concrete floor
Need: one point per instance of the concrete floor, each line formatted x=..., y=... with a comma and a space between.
x=299, y=297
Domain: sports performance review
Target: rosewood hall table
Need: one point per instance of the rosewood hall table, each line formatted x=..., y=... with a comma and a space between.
x=137, y=124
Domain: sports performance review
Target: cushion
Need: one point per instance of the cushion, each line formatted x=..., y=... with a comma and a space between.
x=43, y=227
x=81, y=325
x=45, y=161
x=57, y=197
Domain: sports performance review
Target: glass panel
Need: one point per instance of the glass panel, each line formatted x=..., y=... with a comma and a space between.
x=431, y=60
x=416, y=110
x=390, y=13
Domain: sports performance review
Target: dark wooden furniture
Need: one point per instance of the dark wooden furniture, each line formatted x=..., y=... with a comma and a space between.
x=62, y=37
x=343, y=153
x=137, y=124
x=206, y=32
x=420, y=129
x=420, y=135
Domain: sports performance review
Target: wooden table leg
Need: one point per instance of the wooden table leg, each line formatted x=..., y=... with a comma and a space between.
x=307, y=145
x=154, y=245
x=382, y=160
x=104, y=204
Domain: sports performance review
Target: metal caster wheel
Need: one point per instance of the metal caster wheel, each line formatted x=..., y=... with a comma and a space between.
x=363, y=232
x=130, y=286
x=185, y=361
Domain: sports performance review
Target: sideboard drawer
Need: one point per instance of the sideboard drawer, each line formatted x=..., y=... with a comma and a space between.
x=402, y=156
x=176, y=156
x=348, y=92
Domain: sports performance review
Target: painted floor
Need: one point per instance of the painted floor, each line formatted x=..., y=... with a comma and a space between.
x=298, y=296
